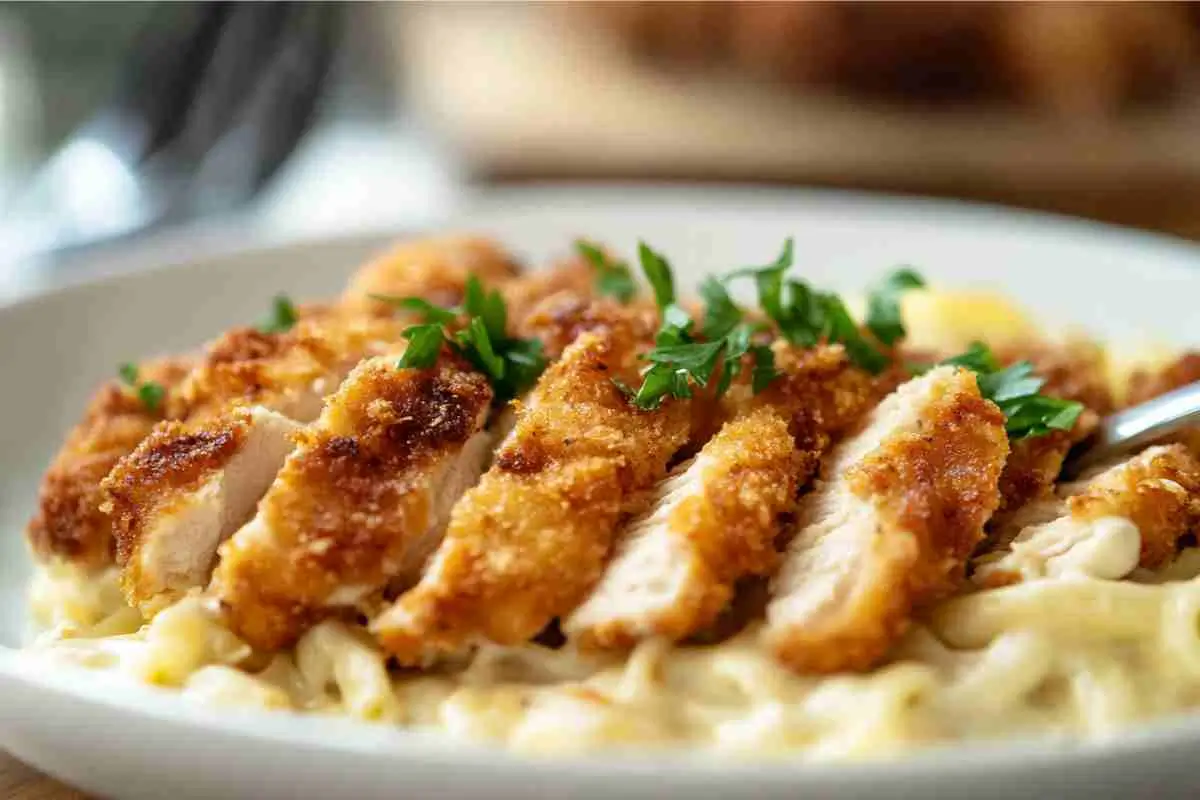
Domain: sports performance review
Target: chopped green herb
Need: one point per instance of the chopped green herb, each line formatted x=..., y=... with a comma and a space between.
x=721, y=314
x=613, y=277
x=426, y=309
x=658, y=272
x=151, y=394
x=283, y=315
x=512, y=365
x=1016, y=390
x=424, y=344
x=883, y=305
x=806, y=317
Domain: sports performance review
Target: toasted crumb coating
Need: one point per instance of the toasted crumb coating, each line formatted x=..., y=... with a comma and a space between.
x=1131, y=514
x=435, y=269
x=288, y=372
x=362, y=500
x=558, y=319
x=531, y=539
x=1158, y=490
x=69, y=523
x=522, y=295
x=888, y=529
x=715, y=521
x=1147, y=384
x=181, y=490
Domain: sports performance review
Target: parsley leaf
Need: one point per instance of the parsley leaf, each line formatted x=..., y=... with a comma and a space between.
x=612, y=276
x=1017, y=391
x=883, y=305
x=283, y=315
x=511, y=365
x=426, y=309
x=149, y=393
x=721, y=314
x=424, y=344
x=804, y=316
x=658, y=272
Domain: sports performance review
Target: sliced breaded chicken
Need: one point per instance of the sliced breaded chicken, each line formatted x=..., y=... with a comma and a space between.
x=184, y=490
x=525, y=293
x=531, y=540
x=435, y=269
x=1130, y=514
x=559, y=318
x=1147, y=384
x=716, y=519
x=1074, y=370
x=289, y=372
x=69, y=523
x=362, y=500
x=899, y=507
x=713, y=522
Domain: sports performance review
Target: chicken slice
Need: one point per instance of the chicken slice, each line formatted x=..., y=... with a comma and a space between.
x=69, y=523
x=362, y=500
x=1147, y=384
x=713, y=521
x=1131, y=514
x=716, y=518
x=529, y=542
x=184, y=490
x=289, y=372
x=1073, y=371
x=435, y=269
x=524, y=294
x=890, y=524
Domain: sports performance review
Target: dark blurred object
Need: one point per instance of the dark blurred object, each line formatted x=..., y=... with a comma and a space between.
x=215, y=96
x=1070, y=59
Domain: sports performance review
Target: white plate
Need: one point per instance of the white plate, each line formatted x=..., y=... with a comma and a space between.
x=134, y=742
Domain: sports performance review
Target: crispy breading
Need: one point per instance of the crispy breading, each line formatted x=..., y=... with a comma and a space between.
x=714, y=521
x=900, y=506
x=1131, y=514
x=531, y=539
x=289, y=372
x=523, y=294
x=435, y=269
x=361, y=501
x=1074, y=370
x=69, y=523
x=182, y=491
x=1147, y=384
x=558, y=319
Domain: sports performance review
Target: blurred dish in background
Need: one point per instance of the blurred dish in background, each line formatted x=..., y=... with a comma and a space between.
x=1081, y=108
x=1070, y=59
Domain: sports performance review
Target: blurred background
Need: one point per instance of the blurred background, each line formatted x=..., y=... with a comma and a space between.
x=282, y=120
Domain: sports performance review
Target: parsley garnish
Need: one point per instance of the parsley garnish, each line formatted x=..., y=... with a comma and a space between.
x=512, y=365
x=1016, y=390
x=283, y=315
x=678, y=361
x=806, y=317
x=612, y=276
x=883, y=305
x=149, y=393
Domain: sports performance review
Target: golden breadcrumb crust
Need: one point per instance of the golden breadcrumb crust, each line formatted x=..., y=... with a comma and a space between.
x=726, y=530
x=435, y=269
x=1158, y=490
x=164, y=470
x=351, y=499
x=531, y=539
x=523, y=294
x=1146, y=384
x=69, y=523
x=931, y=492
x=288, y=372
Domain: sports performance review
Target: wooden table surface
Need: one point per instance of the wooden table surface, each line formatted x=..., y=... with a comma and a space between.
x=19, y=782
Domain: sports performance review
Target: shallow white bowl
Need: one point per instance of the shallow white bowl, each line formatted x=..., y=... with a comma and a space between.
x=135, y=742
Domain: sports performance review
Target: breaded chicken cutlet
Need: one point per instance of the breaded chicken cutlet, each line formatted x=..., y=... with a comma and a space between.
x=899, y=507
x=1131, y=514
x=69, y=523
x=362, y=500
x=529, y=542
x=182, y=491
x=716, y=519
